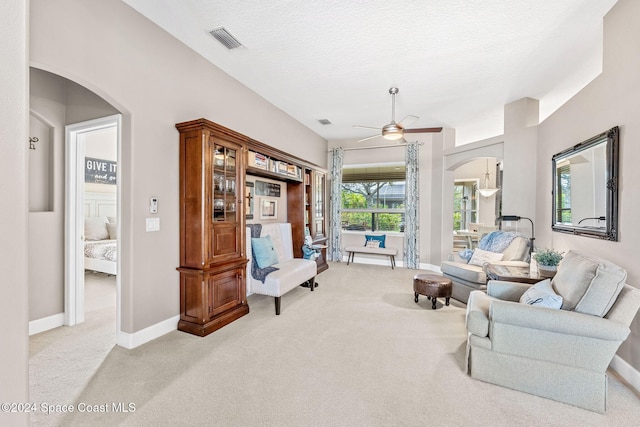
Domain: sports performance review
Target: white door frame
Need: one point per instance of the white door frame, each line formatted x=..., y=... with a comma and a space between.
x=74, y=216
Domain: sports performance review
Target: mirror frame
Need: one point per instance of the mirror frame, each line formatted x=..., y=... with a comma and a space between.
x=611, y=139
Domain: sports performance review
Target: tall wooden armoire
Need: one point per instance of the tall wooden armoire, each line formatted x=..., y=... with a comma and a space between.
x=212, y=260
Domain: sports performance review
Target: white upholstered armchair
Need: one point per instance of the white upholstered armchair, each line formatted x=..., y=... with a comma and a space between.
x=561, y=354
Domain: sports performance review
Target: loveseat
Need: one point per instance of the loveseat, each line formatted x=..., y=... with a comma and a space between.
x=557, y=338
x=283, y=275
x=468, y=276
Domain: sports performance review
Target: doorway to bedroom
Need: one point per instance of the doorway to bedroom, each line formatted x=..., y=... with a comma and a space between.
x=91, y=288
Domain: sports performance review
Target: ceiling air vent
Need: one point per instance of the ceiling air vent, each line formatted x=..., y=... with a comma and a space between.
x=324, y=121
x=225, y=37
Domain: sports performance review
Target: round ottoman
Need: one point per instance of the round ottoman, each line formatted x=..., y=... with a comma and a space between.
x=432, y=286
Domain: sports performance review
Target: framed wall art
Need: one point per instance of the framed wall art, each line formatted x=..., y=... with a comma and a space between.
x=268, y=208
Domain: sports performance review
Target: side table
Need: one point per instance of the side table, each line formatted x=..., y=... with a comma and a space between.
x=512, y=274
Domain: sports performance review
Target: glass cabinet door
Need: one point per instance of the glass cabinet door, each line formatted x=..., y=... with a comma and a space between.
x=319, y=205
x=224, y=184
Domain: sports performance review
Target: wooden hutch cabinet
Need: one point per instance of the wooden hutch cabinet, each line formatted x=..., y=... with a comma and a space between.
x=214, y=162
x=212, y=253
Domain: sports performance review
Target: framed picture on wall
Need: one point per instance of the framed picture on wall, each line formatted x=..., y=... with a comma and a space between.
x=268, y=208
x=248, y=197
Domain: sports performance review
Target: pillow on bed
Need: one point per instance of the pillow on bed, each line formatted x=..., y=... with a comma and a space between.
x=112, y=228
x=96, y=228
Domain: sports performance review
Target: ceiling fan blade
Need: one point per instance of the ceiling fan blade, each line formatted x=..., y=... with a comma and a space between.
x=365, y=127
x=369, y=137
x=423, y=130
x=407, y=121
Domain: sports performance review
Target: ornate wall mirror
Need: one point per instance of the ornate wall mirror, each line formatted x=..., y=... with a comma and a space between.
x=585, y=187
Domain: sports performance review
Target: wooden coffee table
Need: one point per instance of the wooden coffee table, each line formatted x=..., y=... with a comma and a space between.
x=512, y=274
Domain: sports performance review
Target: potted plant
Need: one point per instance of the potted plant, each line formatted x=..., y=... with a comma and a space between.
x=547, y=260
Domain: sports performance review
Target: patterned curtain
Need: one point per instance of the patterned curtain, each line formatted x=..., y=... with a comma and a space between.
x=335, y=201
x=412, y=202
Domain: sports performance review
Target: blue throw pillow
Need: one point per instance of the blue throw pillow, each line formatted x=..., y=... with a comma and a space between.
x=380, y=239
x=264, y=251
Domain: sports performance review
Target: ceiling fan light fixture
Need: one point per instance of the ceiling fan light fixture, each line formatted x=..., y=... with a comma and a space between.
x=392, y=132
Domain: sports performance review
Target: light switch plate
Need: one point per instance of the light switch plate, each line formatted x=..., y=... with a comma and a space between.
x=153, y=224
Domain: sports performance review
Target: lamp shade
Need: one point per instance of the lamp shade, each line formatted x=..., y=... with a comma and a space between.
x=486, y=190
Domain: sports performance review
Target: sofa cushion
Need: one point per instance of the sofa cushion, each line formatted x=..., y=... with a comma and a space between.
x=517, y=251
x=290, y=274
x=471, y=273
x=542, y=294
x=481, y=257
x=264, y=251
x=588, y=284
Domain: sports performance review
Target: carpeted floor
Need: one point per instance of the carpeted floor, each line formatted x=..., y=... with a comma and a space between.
x=356, y=352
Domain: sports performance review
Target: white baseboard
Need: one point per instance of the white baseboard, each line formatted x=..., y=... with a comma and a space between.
x=145, y=335
x=46, y=323
x=626, y=371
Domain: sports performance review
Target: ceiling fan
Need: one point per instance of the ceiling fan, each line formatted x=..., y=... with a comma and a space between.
x=394, y=131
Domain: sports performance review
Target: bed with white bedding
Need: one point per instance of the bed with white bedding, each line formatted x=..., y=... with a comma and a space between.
x=100, y=246
x=101, y=255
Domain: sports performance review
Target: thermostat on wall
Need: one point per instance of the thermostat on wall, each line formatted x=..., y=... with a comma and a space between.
x=153, y=205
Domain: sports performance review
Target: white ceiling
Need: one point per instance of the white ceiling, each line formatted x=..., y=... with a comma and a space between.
x=456, y=62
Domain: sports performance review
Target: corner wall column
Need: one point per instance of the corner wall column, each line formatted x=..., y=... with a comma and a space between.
x=520, y=152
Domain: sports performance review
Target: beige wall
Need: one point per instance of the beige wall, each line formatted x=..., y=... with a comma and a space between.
x=155, y=82
x=14, y=125
x=612, y=99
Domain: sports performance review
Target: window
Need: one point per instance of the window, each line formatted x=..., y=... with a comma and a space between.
x=373, y=198
x=563, y=201
x=465, y=204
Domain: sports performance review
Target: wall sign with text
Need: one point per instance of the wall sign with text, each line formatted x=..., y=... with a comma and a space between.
x=100, y=171
x=270, y=189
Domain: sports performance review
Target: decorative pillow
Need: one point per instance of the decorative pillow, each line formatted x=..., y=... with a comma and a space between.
x=588, y=284
x=542, y=294
x=95, y=228
x=112, y=228
x=381, y=239
x=481, y=257
x=373, y=243
x=264, y=251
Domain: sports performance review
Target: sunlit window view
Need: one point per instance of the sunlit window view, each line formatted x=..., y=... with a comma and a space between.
x=373, y=199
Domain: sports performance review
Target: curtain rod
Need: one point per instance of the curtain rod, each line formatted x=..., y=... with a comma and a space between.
x=376, y=146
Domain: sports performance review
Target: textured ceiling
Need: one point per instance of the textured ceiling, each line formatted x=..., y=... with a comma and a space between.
x=456, y=62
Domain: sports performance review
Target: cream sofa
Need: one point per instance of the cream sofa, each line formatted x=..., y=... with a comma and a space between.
x=291, y=272
x=467, y=277
x=560, y=354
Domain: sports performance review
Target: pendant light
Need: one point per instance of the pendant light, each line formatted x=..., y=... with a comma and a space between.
x=487, y=191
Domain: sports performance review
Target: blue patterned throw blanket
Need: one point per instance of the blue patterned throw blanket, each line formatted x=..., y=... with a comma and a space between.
x=496, y=241
x=257, y=272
